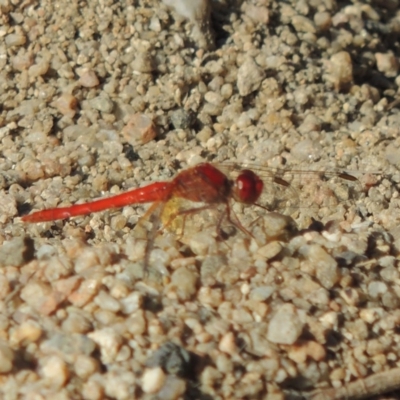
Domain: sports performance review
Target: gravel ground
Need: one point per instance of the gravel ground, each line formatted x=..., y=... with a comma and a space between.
x=101, y=96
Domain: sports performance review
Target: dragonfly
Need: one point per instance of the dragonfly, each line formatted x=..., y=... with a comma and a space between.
x=209, y=186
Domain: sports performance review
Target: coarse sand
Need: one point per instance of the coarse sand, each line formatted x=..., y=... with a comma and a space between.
x=101, y=96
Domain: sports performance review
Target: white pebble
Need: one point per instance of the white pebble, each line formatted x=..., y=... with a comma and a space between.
x=285, y=326
x=249, y=78
x=55, y=371
x=152, y=380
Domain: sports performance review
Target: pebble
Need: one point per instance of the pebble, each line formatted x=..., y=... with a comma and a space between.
x=322, y=20
x=285, y=326
x=85, y=366
x=109, y=342
x=41, y=297
x=102, y=103
x=55, y=371
x=173, y=388
x=92, y=390
x=325, y=266
x=306, y=150
x=143, y=63
x=120, y=384
x=68, y=344
x=250, y=77
x=340, y=70
x=16, y=251
x=107, y=302
x=88, y=78
x=387, y=63
x=259, y=14
x=67, y=104
x=15, y=39
x=270, y=250
x=139, y=130
x=227, y=344
x=153, y=379
x=303, y=24
x=6, y=356
x=181, y=119
x=376, y=289
x=5, y=287
x=262, y=293
x=131, y=303
x=76, y=323
x=183, y=283
x=29, y=331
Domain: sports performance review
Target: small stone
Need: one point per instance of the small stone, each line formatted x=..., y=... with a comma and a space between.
x=85, y=366
x=5, y=287
x=227, y=344
x=325, y=266
x=29, y=331
x=306, y=150
x=84, y=293
x=92, y=390
x=376, y=289
x=88, y=78
x=371, y=315
x=102, y=103
x=285, y=326
x=279, y=226
x=270, y=250
x=139, y=129
x=68, y=344
x=66, y=104
x=131, y=303
x=41, y=297
x=340, y=70
x=249, y=77
x=76, y=323
x=120, y=384
x=316, y=351
x=259, y=14
x=322, y=20
x=39, y=69
x=107, y=302
x=387, y=63
x=22, y=62
x=136, y=323
x=143, y=63
x=303, y=24
x=55, y=371
x=262, y=293
x=173, y=388
x=109, y=342
x=6, y=357
x=181, y=119
x=183, y=283
x=8, y=209
x=15, y=39
x=152, y=380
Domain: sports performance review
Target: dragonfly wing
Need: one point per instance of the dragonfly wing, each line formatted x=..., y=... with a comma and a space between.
x=316, y=191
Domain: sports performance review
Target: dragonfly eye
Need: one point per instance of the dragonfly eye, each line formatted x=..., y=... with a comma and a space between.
x=248, y=187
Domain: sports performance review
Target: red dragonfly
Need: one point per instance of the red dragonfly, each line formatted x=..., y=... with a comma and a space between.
x=206, y=184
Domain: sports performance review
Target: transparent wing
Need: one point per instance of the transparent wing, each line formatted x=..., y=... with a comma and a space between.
x=289, y=190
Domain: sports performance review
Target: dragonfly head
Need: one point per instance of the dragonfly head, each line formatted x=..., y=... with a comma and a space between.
x=247, y=187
